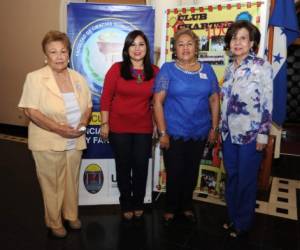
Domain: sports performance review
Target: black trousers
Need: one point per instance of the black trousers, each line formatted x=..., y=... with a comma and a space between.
x=182, y=161
x=132, y=152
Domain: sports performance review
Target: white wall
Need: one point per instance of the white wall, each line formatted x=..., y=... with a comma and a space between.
x=23, y=24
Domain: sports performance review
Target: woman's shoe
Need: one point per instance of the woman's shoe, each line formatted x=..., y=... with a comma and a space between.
x=228, y=225
x=235, y=233
x=168, y=219
x=60, y=232
x=138, y=214
x=190, y=216
x=75, y=224
x=127, y=216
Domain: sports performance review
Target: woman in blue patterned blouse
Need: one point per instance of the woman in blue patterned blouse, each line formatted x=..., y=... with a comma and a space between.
x=246, y=110
x=186, y=109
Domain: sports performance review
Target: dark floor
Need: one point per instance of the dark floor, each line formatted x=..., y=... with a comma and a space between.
x=22, y=225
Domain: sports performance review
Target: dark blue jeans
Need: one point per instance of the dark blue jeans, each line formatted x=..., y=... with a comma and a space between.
x=132, y=152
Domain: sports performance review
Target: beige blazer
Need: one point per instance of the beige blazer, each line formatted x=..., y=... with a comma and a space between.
x=41, y=92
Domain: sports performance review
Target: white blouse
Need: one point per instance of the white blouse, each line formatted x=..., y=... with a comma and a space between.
x=73, y=115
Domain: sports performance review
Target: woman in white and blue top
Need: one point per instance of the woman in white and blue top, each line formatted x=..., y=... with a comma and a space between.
x=186, y=108
x=246, y=110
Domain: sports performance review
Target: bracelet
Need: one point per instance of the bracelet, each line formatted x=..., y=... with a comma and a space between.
x=216, y=129
x=162, y=133
x=82, y=128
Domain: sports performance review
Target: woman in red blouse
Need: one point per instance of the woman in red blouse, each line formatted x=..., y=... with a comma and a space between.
x=127, y=120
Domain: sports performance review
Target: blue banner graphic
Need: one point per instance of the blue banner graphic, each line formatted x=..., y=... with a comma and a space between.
x=97, y=33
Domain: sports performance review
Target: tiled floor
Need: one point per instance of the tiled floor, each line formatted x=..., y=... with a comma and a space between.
x=22, y=225
x=282, y=201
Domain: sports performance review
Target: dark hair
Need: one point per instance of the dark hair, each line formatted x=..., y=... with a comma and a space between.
x=126, y=63
x=53, y=36
x=254, y=34
x=186, y=31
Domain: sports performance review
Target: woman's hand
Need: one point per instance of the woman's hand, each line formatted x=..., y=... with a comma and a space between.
x=67, y=131
x=213, y=136
x=48, y=124
x=164, y=141
x=260, y=146
x=104, y=131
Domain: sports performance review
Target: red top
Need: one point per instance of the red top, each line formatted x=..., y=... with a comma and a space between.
x=128, y=102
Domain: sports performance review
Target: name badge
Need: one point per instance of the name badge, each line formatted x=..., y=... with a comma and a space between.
x=203, y=76
x=78, y=87
x=240, y=73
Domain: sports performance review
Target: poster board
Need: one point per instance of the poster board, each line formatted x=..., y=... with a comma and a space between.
x=210, y=21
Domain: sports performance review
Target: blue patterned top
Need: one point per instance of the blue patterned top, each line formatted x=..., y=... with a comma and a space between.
x=186, y=106
x=247, y=101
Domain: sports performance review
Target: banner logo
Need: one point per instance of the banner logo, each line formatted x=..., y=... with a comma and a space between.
x=93, y=178
x=96, y=47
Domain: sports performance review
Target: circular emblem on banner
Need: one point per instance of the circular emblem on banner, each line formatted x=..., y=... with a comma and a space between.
x=93, y=178
x=96, y=47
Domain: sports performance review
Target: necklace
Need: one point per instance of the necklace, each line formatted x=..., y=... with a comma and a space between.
x=138, y=74
x=186, y=64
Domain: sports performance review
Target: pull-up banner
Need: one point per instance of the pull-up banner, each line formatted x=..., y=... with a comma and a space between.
x=97, y=33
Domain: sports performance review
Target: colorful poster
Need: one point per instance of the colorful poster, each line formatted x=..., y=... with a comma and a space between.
x=97, y=33
x=210, y=22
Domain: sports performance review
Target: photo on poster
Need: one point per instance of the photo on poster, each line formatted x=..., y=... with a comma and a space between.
x=217, y=43
x=207, y=156
x=203, y=43
x=208, y=180
x=212, y=154
x=222, y=186
x=216, y=59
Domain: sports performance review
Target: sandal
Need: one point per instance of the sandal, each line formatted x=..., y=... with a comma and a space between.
x=168, y=219
x=234, y=233
x=127, y=216
x=190, y=216
x=138, y=214
x=228, y=225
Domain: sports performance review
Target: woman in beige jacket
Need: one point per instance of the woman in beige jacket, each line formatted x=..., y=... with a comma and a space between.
x=57, y=102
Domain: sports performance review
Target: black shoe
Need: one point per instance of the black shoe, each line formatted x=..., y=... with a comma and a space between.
x=228, y=226
x=168, y=220
x=235, y=234
x=190, y=217
x=127, y=216
x=138, y=214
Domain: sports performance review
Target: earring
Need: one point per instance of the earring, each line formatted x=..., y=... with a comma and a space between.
x=45, y=61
